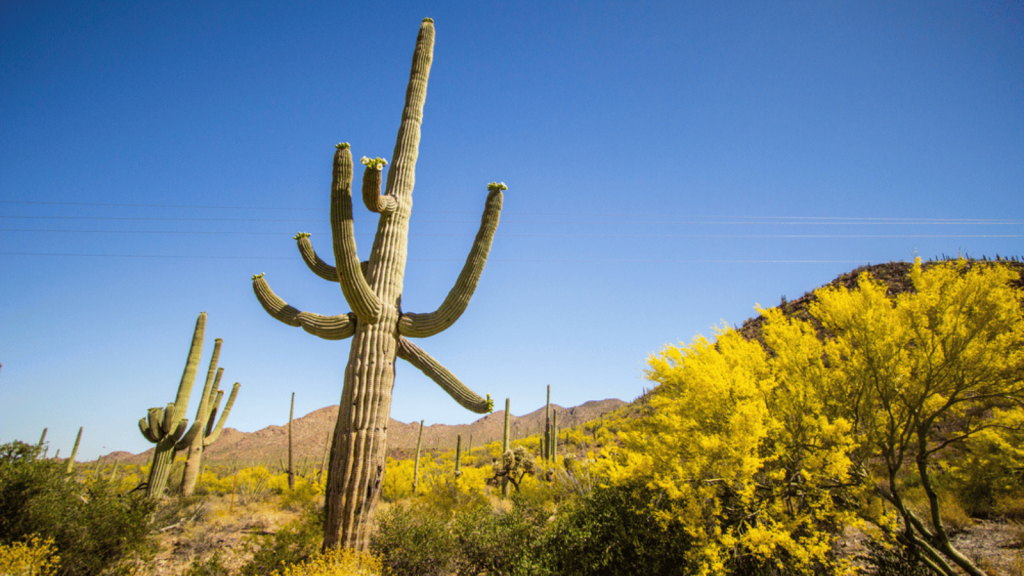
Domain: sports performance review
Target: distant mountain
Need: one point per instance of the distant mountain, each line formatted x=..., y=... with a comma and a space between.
x=311, y=433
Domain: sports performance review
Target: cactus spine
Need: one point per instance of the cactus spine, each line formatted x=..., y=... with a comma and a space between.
x=291, y=463
x=74, y=451
x=203, y=432
x=416, y=465
x=379, y=328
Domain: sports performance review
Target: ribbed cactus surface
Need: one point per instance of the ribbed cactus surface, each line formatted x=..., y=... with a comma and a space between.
x=379, y=328
x=203, y=431
x=166, y=426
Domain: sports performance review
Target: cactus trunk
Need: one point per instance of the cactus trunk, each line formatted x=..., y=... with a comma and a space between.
x=160, y=469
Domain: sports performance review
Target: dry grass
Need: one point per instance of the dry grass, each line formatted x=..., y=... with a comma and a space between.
x=222, y=530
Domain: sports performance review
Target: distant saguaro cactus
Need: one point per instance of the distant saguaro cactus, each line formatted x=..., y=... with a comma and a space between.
x=505, y=445
x=166, y=426
x=416, y=465
x=203, y=432
x=74, y=451
x=379, y=328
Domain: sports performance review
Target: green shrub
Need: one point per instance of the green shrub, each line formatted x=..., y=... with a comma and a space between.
x=610, y=532
x=91, y=525
x=505, y=543
x=294, y=543
x=414, y=540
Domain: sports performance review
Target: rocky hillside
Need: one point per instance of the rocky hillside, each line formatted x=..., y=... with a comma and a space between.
x=311, y=433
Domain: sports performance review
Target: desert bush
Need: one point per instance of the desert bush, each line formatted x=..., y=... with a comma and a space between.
x=612, y=531
x=252, y=484
x=294, y=543
x=413, y=539
x=500, y=542
x=306, y=494
x=989, y=467
x=336, y=562
x=91, y=525
x=33, y=557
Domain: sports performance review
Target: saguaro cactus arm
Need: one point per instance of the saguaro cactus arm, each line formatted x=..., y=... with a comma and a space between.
x=372, y=198
x=315, y=263
x=212, y=436
x=327, y=327
x=360, y=296
x=445, y=379
x=423, y=325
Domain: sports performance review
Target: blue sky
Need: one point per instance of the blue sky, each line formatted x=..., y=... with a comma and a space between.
x=669, y=164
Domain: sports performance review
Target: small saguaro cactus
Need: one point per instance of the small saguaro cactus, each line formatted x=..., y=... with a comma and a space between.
x=379, y=328
x=74, y=451
x=504, y=445
x=165, y=427
x=291, y=461
x=458, y=456
x=203, y=432
x=416, y=465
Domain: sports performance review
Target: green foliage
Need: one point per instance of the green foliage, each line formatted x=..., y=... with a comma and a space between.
x=613, y=531
x=500, y=542
x=990, y=467
x=430, y=537
x=414, y=540
x=91, y=524
x=294, y=543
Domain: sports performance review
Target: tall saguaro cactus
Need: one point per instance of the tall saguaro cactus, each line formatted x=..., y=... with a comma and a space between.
x=379, y=328
x=203, y=431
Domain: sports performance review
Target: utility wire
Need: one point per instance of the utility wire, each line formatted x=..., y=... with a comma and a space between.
x=848, y=222
x=513, y=235
x=742, y=217
x=514, y=260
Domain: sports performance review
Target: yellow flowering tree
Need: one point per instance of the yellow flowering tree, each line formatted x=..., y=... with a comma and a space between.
x=921, y=374
x=754, y=478
x=764, y=450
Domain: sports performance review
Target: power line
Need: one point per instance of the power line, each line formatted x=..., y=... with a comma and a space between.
x=510, y=260
x=848, y=222
x=862, y=219
x=513, y=235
